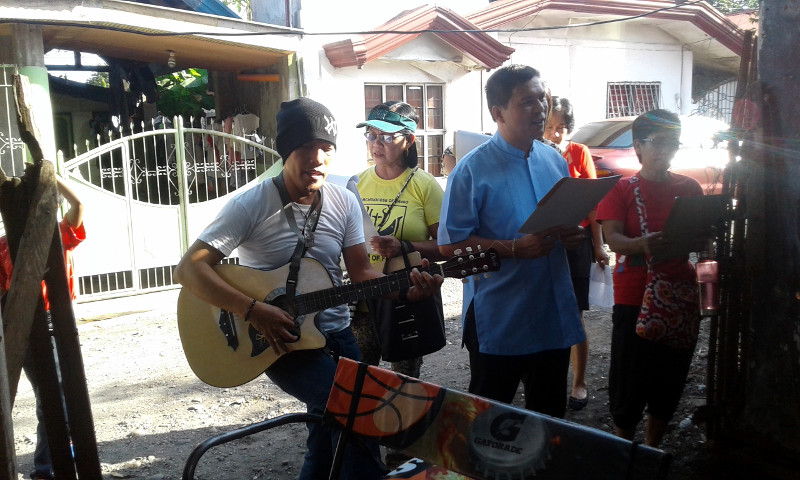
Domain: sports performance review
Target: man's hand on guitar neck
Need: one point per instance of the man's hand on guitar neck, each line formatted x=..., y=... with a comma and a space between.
x=423, y=283
x=275, y=324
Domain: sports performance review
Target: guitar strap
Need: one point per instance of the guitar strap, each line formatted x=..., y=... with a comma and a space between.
x=305, y=238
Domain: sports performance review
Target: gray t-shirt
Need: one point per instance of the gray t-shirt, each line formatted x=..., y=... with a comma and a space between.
x=254, y=223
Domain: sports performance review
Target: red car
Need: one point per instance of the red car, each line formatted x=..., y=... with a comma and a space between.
x=702, y=155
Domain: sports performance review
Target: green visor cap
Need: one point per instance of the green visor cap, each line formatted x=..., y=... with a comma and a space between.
x=389, y=122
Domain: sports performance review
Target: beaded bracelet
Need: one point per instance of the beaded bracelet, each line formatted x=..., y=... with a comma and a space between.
x=250, y=309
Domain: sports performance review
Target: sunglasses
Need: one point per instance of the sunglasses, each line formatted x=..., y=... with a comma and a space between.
x=386, y=138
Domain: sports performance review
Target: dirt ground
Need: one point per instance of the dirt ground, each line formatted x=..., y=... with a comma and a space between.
x=150, y=410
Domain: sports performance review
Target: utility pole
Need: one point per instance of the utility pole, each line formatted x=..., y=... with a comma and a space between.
x=772, y=399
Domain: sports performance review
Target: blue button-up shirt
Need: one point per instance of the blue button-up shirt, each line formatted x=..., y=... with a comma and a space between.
x=529, y=305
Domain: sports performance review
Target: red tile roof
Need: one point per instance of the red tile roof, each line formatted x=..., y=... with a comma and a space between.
x=480, y=47
x=702, y=15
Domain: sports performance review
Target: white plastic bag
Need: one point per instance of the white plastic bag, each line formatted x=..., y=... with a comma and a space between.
x=601, y=286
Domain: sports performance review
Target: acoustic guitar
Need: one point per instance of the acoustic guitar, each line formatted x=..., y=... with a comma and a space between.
x=225, y=351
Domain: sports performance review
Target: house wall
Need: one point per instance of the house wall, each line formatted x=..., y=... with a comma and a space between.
x=81, y=112
x=578, y=64
x=260, y=98
x=342, y=90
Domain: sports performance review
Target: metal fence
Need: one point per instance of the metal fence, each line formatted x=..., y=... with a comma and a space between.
x=12, y=148
x=718, y=101
x=148, y=192
x=147, y=161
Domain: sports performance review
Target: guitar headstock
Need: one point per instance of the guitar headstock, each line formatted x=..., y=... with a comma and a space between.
x=471, y=263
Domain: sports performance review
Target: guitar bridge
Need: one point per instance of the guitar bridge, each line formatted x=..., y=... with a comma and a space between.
x=228, y=328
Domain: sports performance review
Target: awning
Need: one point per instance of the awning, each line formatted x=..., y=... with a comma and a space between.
x=145, y=33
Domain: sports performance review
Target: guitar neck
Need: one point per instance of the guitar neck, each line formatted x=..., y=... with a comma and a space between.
x=331, y=297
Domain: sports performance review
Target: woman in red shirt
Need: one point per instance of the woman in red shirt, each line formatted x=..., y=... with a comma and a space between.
x=644, y=373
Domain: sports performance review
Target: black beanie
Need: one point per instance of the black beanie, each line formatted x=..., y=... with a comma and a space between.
x=303, y=120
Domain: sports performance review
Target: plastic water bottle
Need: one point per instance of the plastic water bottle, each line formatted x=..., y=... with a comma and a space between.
x=708, y=283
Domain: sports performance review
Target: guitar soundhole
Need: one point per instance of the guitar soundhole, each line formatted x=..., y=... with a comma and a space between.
x=280, y=302
x=296, y=332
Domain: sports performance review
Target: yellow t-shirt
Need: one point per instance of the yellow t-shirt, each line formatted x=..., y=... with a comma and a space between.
x=417, y=208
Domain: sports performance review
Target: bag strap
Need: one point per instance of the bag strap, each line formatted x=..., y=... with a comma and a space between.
x=640, y=207
x=405, y=255
x=386, y=216
x=642, y=210
x=305, y=238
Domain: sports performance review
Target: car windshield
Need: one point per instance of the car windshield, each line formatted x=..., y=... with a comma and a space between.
x=608, y=134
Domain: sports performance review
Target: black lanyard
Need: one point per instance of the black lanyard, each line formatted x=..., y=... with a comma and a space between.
x=305, y=238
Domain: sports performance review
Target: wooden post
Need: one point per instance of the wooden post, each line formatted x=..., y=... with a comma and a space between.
x=35, y=232
x=35, y=243
x=772, y=395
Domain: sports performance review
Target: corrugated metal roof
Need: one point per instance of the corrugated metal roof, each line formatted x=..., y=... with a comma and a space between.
x=211, y=7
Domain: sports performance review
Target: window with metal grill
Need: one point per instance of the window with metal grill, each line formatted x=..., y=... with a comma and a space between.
x=626, y=99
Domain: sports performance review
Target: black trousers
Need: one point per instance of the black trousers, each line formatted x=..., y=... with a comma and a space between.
x=544, y=374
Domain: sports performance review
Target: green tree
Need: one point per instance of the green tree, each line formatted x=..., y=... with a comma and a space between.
x=242, y=7
x=184, y=93
x=98, y=79
x=730, y=6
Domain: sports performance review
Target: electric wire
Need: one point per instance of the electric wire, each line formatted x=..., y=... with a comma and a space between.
x=367, y=32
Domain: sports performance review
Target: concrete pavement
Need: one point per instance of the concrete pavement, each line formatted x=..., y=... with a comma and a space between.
x=90, y=311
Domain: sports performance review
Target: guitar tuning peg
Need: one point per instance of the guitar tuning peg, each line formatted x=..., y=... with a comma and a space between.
x=479, y=248
x=487, y=275
x=469, y=249
x=457, y=251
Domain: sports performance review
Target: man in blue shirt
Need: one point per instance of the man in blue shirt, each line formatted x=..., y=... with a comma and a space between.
x=523, y=320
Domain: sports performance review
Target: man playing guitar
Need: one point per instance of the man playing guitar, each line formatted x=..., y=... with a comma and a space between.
x=327, y=223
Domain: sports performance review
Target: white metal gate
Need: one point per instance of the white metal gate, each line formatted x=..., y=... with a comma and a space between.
x=148, y=194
